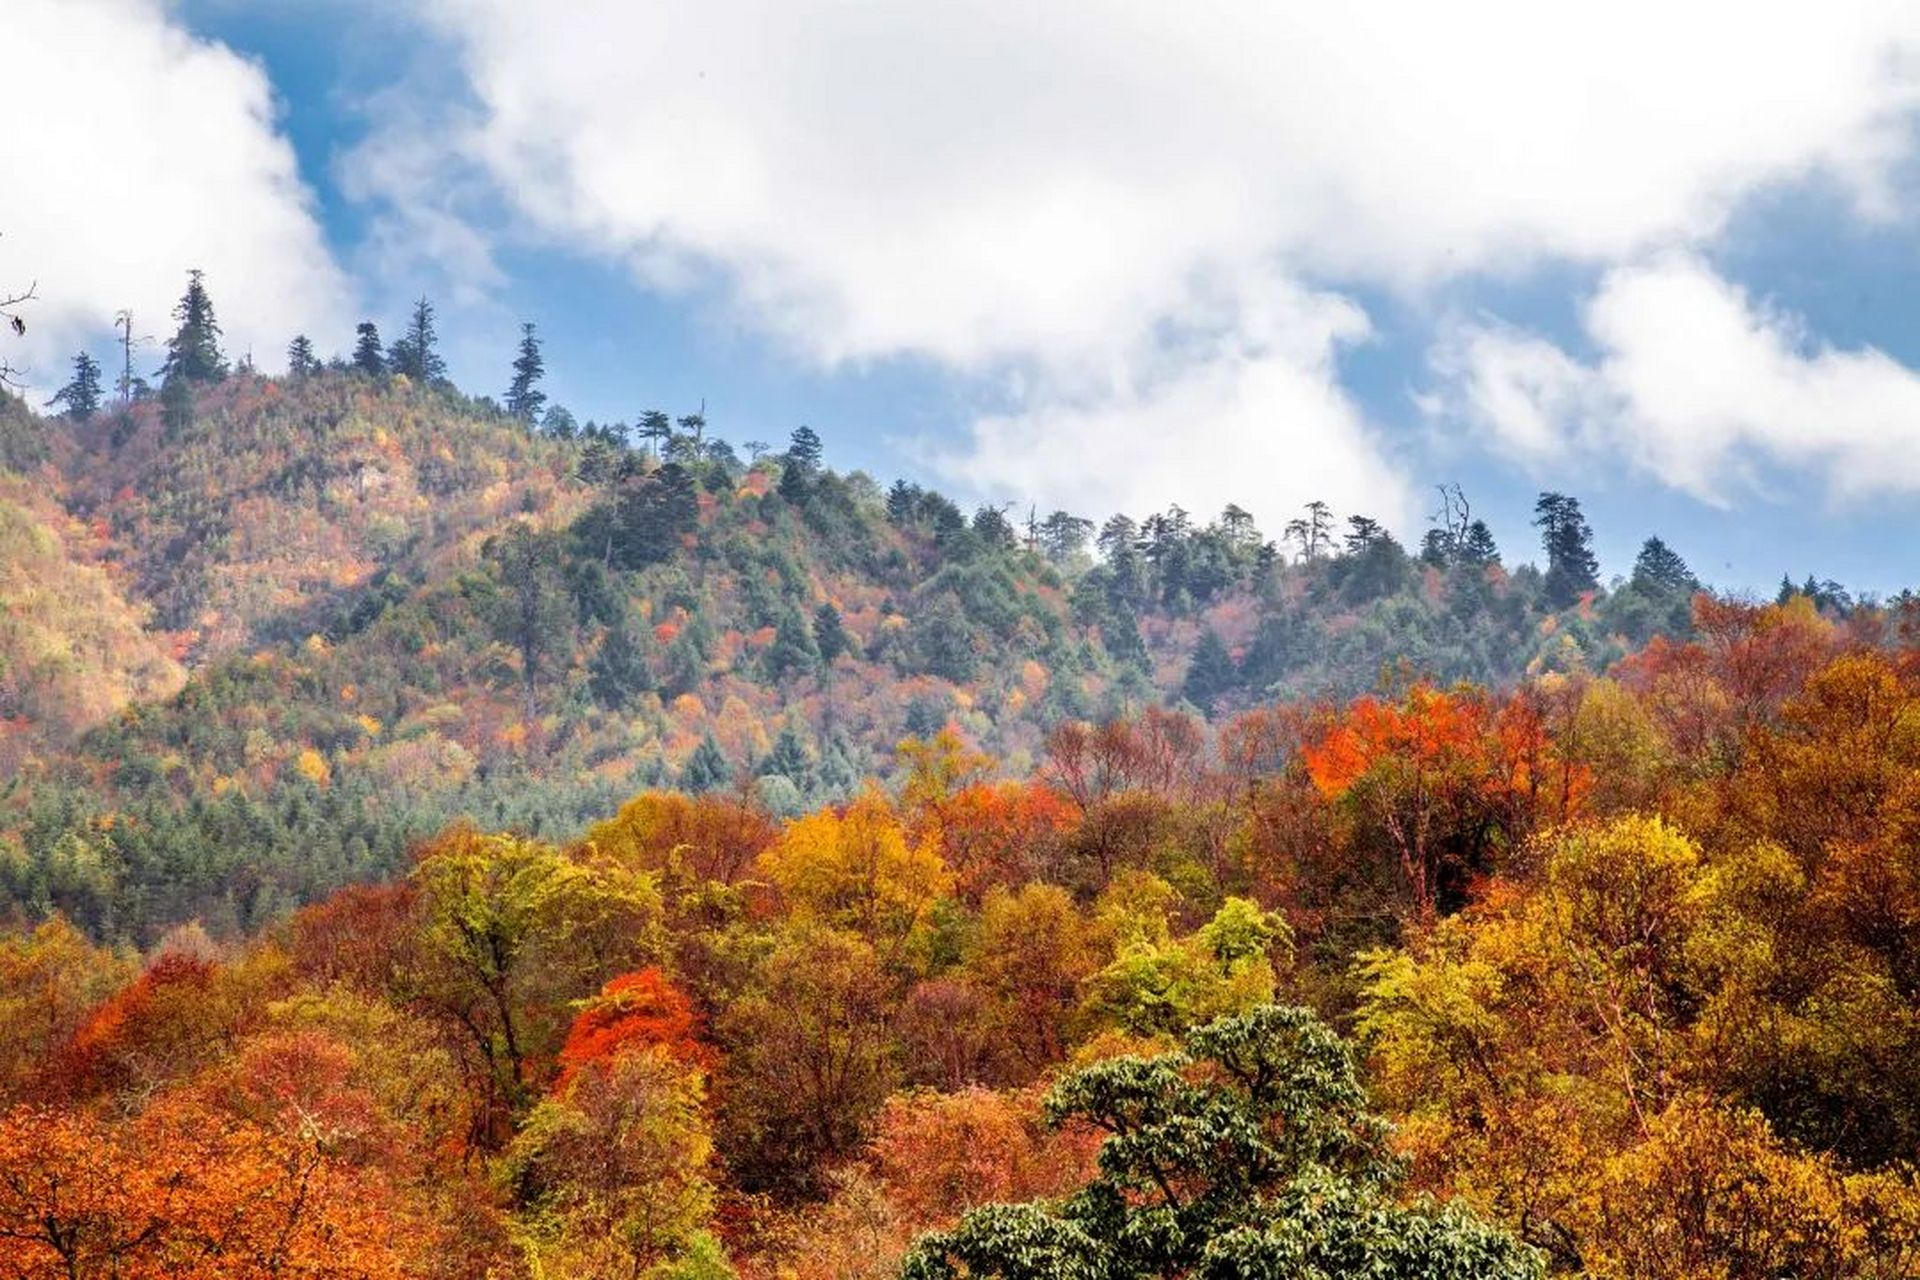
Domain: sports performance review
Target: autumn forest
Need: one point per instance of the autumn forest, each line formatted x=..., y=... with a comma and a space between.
x=443, y=838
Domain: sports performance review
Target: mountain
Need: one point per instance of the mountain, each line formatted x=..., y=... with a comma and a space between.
x=306, y=620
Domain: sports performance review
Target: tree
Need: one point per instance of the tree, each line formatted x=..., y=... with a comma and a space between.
x=193, y=353
x=1063, y=536
x=1210, y=673
x=301, y=362
x=1659, y=568
x=830, y=634
x=794, y=648
x=802, y=465
x=368, y=355
x=81, y=395
x=524, y=397
x=610, y=1172
x=655, y=428
x=1247, y=1155
x=706, y=769
x=619, y=671
x=416, y=353
x=534, y=611
x=1572, y=569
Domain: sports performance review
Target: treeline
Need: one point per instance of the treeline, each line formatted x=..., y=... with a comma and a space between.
x=1610, y=975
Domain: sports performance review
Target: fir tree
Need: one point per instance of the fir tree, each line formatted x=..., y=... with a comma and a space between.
x=793, y=648
x=417, y=353
x=830, y=634
x=524, y=397
x=368, y=356
x=1568, y=542
x=706, y=769
x=619, y=672
x=1658, y=568
x=788, y=759
x=81, y=395
x=1210, y=673
x=193, y=353
x=301, y=362
x=802, y=465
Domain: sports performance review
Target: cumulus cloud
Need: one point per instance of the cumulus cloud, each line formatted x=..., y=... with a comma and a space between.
x=1053, y=188
x=141, y=151
x=1696, y=383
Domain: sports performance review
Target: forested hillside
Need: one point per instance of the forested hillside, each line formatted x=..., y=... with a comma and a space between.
x=279, y=627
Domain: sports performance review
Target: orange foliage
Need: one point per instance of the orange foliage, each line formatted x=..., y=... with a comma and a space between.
x=634, y=1010
x=1003, y=833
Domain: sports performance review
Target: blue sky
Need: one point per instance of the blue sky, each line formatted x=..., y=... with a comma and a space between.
x=1095, y=255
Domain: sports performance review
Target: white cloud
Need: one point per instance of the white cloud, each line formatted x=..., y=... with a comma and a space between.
x=1695, y=383
x=139, y=151
x=1050, y=188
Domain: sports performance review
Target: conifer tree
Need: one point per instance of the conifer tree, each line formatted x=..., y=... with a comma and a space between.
x=301, y=362
x=193, y=353
x=1568, y=542
x=1210, y=673
x=417, y=354
x=830, y=633
x=368, y=356
x=81, y=395
x=706, y=769
x=1659, y=568
x=524, y=397
x=802, y=465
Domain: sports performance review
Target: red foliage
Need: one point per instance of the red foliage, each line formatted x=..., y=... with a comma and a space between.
x=634, y=1010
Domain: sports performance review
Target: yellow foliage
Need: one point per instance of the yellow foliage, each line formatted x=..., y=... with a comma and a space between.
x=314, y=766
x=856, y=869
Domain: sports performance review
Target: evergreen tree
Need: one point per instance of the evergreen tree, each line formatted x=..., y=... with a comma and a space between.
x=1568, y=542
x=368, y=357
x=655, y=428
x=1477, y=546
x=193, y=353
x=301, y=362
x=903, y=503
x=788, y=759
x=533, y=614
x=1658, y=568
x=524, y=397
x=417, y=353
x=830, y=633
x=81, y=395
x=802, y=465
x=652, y=515
x=793, y=648
x=1210, y=673
x=619, y=673
x=706, y=769
x=558, y=424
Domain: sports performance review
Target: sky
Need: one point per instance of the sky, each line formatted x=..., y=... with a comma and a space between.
x=1096, y=255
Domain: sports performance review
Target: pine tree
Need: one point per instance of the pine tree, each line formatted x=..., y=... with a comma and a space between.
x=524, y=397
x=81, y=395
x=706, y=769
x=1568, y=542
x=301, y=362
x=802, y=465
x=1477, y=546
x=788, y=759
x=655, y=428
x=793, y=648
x=830, y=634
x=1658, y=568
x=368, y=356
x=193, y=353
x=417, y=354
x=1210, y=673
x=619, y=672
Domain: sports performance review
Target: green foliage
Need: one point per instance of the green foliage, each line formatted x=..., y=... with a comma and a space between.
x=193, y=353
x=1249, y=1154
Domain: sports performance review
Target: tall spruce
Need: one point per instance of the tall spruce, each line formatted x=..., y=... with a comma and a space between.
x=802, y=466
x=193, y=353
x=369, y=357
x=1568, y=542
x=301, y=362
x=524, y=397
x=416, y=354
x=1659, y=568
x=80, y=398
